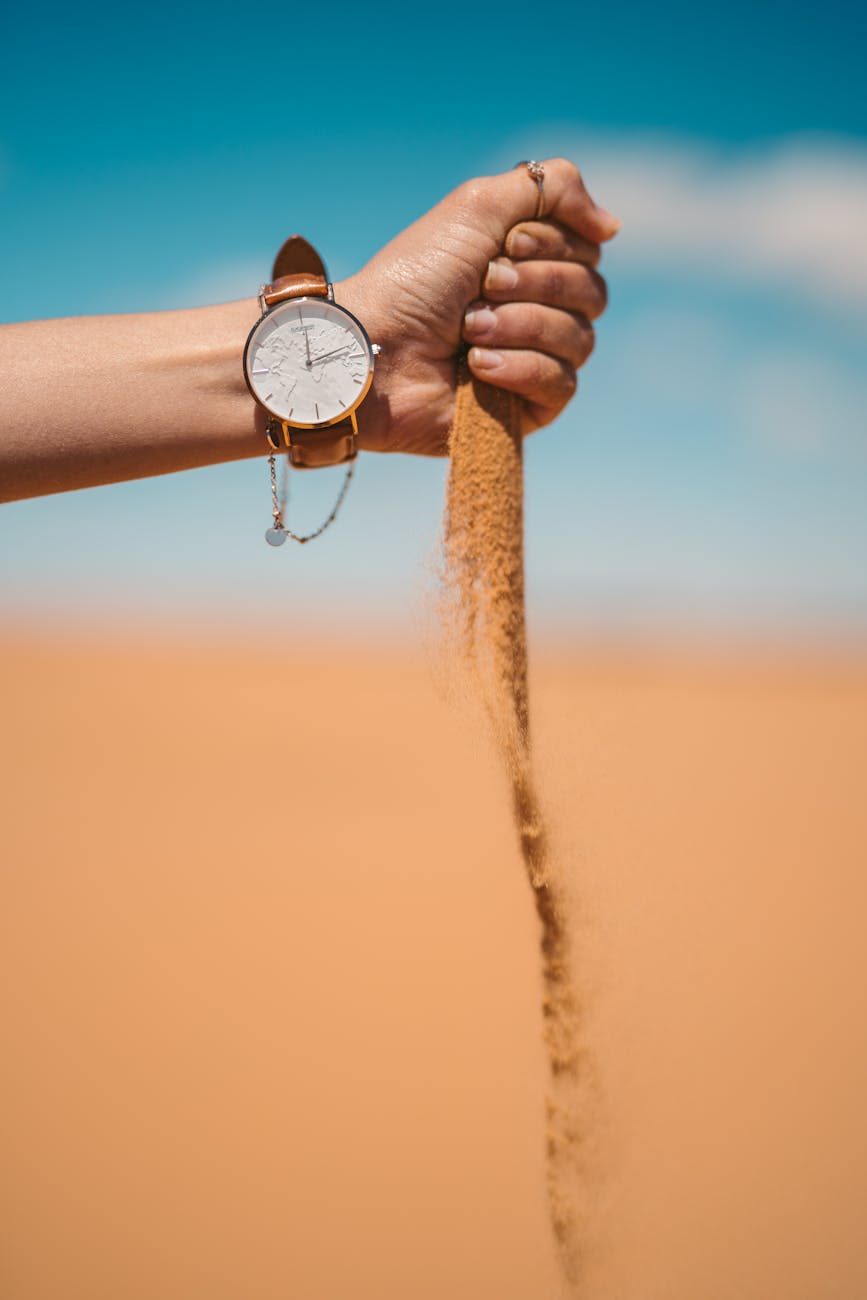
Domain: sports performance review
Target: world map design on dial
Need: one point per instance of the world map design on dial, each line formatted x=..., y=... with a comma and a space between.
x=309, y=363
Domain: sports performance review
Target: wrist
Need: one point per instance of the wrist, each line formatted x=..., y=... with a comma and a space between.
x=223, y=333
x=373, y=416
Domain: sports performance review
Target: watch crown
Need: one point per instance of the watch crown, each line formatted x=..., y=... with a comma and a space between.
x=376, y=349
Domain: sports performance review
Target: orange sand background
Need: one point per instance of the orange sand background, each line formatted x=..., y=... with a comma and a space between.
x=270, y=983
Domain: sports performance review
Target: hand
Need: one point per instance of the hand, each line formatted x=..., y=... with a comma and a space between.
x=479, y=268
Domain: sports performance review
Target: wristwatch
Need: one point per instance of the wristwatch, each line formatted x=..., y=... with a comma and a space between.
x=308, y=361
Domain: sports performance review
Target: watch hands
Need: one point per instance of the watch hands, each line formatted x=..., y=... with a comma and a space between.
x=307, y=341
x=326, y=356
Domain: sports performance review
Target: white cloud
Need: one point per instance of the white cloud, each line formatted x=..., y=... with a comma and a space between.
x=791, y=213
x=800, y=403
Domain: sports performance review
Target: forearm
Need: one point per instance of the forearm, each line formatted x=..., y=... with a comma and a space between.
x=93, y=400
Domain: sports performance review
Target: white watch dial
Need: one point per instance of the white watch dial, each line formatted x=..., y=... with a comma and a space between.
x=309, y=362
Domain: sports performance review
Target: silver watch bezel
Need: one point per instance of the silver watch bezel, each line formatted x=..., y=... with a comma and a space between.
x=286, y=305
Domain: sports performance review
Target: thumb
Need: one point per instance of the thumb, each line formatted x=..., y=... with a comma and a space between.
x=500, y=202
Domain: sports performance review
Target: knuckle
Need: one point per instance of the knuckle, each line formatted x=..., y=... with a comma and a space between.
x=472, y=193
x=557, y=284
x=587, y=343
x=568, y=168
x=594, y=293
x=539, y=368
x=557, y=379
x=568, y=381
x=601, y=291
x=563, y=246
x=534, y=328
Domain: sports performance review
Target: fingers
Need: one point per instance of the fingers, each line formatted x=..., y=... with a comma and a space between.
x=567, y=200
x=500, y=202
x=562, y=334
x=570, y=285
x=531, y=329
x=545, y=383
x=550, y=242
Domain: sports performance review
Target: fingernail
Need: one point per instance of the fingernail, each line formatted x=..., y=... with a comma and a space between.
x=479, y=320
x=485, y=359
x=613, y=222
x=520, y=244
x=501, y=276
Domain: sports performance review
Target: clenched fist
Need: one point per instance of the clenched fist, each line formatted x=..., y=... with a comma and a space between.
x=96, y=399
x=478, y=268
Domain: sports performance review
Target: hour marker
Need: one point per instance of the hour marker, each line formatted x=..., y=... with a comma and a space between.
x=316, y=404
x=343, y=404
x=261, y=370
x=267, y=395
x=356, y=381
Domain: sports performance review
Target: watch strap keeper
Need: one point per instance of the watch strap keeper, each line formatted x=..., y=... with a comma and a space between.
x=298, y=272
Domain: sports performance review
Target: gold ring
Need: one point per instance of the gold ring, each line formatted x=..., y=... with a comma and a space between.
x=537, y=172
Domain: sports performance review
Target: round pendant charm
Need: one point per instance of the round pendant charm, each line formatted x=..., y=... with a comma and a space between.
x=275, y=537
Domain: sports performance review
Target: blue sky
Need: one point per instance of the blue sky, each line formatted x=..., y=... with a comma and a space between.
x=712, y=473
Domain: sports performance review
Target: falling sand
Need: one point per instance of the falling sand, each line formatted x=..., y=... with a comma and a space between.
x=484, y=610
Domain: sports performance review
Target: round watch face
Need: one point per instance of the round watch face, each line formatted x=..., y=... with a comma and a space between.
x=308, y=362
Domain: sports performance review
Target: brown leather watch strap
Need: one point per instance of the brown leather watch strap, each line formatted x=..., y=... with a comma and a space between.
x=320, y=447
x=315, y=448
x=298, y=272
x=297, y=257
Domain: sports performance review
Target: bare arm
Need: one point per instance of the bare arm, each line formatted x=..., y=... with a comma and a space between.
x=93, y=400
x=97, y=399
